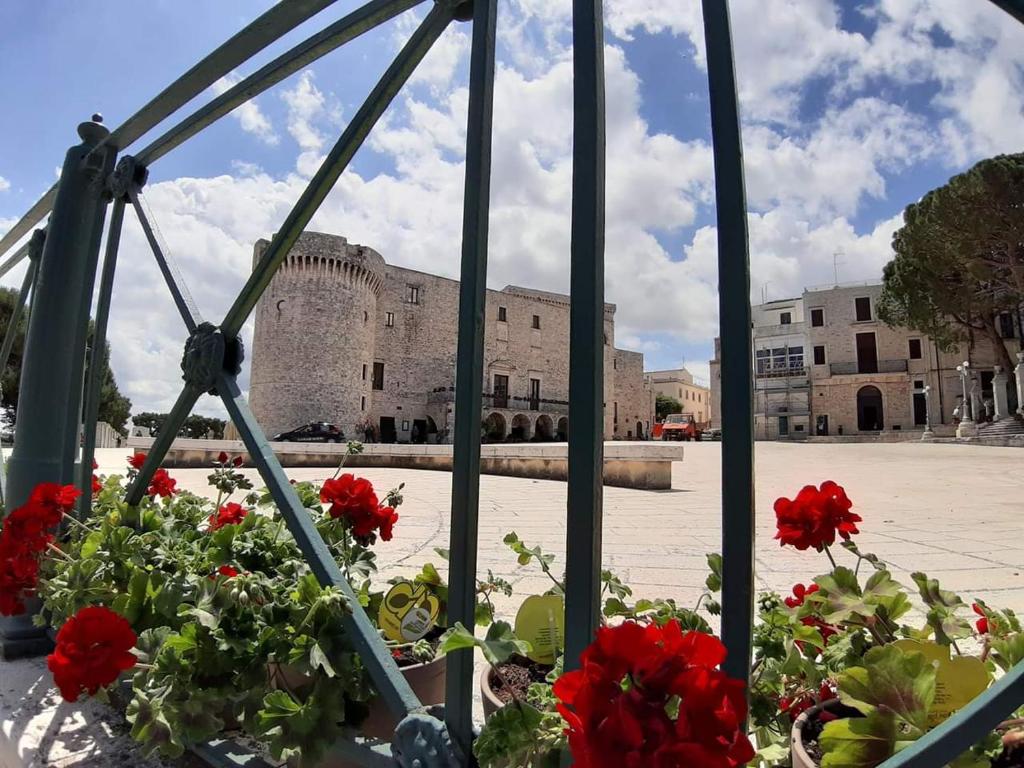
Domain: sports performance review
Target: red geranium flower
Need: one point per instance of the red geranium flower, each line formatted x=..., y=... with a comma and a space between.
x=981, y=624
x=238, y=461
x=815, y=516
x=137, y=460
x=353, y=500
x=162, y=484
x=800, y=593
x=386, y=519
x=227, y=571
x=222, y=457
x=230, y=514
x=617, y=703
x=794, y=706
x=93, y=648
x=52, y=501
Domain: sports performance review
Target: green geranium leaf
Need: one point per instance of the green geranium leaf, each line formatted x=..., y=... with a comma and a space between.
x=498, y=646
x=714, y=579
x=318, y=660
x=895, y=682
x=932, y=594
x=1007, y=652
x=858, y=742
x=840, y=597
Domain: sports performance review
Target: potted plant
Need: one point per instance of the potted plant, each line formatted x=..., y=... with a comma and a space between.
x=209, y=605
x=841, y=679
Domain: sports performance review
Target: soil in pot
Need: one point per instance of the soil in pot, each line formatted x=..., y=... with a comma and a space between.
x=810, y=730
x=514, y=678
x=1010, y=758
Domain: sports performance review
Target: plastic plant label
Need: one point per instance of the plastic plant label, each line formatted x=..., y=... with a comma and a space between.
x=958, y=680
x=408, y=612
x=541, y=623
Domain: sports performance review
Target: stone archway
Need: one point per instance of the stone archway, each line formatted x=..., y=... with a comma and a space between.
x=870, y=413
x=521, y=431
x=545, y=429
x=563, y=429
x=639, y=430
x=494, y=428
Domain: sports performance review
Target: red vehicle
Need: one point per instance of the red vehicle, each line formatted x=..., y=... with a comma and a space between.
x=678, y=426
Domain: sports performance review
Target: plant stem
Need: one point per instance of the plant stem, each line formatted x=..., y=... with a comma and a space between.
x=955, y=646
x=76, y=521
x=857, y=569
x=831, y=559
x=64, y=555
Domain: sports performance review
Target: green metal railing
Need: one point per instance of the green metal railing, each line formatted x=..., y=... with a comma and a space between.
x=62, y=276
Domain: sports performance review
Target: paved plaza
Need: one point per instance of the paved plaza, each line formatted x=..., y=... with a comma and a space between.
x=953, y=511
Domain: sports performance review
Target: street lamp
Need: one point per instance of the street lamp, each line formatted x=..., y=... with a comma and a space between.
x=964, y=369
x=927, y=413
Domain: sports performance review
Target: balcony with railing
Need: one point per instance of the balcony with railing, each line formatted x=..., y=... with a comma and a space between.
x=853, y=367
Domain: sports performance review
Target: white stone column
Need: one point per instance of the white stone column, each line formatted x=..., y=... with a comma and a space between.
x=975, y=395
x=1020, y=383
x=999, y=400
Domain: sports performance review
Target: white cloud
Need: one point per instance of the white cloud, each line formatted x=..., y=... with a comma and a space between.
x=4, y=184
x=249, y=115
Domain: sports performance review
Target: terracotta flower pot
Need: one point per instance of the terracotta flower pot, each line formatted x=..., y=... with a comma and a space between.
x=798, y=752
x=426, y=680
x=489, y=698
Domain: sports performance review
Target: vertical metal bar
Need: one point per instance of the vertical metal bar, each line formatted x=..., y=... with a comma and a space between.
x=50, y=394
x=13, y=323
x=586, y=333
x=162, y=443
x=470, y=369
x=734, y=319
x=392, y=687
x=335, y=163
x=180, y=293
x=94, y=388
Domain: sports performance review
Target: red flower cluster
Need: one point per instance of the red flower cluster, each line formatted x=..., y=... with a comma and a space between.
x=136, y=461
x=93, y=648
x=981, y=624
x=794, y=706
x=800, y=592
x=230, y=514
x=353, y=499
x=97, y=486
x=162, y=484
x=224, y=459
x=815, y=516
x=617, y=703
x=25, y=536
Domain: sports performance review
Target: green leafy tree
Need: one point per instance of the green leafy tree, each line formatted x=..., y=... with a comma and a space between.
x=959, y=258
x=665, y=405
x=114, y=407
x=195, y=426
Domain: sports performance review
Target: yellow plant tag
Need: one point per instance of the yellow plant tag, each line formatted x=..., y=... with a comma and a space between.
x=541, y=623
x=408, y=612
x=958, y=680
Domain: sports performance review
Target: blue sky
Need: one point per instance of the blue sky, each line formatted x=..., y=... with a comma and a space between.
x=851, y=110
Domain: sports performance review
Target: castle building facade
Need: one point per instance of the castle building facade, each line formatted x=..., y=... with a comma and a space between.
x=342, y=336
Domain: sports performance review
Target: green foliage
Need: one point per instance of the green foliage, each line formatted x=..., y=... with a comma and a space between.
x=114, y=407
x=943, y=607
x=959, y=258
x=195, y=426
x=522, y=734
x=527, y=554
x=665, y=405
x=498, y=646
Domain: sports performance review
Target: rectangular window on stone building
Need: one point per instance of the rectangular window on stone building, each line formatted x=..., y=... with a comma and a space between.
x=534, y=394
x=502, y=315
x=863, y=308
x=817, y=318
x=763, y=360
x=914, y=349
x=819, y=355
x=378, y=375
x=616, y=412
x=364, y=371
x=785, y=318
x=389, y=319
x=1006, y=329
x=362, y=403
x=536, y=321
x=413, y=294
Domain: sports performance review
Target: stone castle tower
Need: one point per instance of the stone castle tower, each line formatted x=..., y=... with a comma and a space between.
x=314, y=332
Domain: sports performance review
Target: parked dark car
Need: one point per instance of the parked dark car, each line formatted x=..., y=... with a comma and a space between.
x=317, y=432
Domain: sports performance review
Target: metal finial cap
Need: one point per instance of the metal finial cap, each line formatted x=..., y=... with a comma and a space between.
x=93, y=132
x=97, y=117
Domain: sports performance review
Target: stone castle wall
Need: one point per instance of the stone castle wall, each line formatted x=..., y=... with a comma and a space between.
x=315, y=350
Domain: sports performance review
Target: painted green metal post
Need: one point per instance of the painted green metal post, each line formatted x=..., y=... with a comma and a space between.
x=50, y=399
x=94, y=388
x=734, y=321
x=586, y=334
x=470, y=370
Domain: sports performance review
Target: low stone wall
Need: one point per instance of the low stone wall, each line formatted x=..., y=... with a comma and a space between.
x=645, y=465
